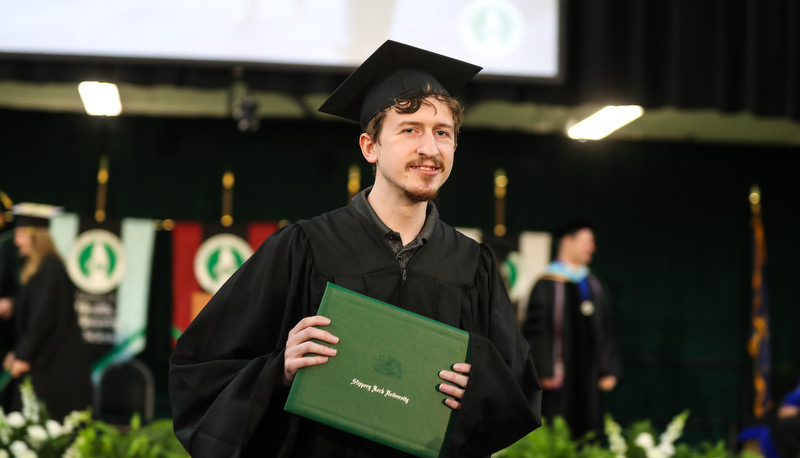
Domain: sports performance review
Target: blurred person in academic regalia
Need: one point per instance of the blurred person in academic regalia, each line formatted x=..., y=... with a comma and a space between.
x=775, y=434
x=10, y=263
x=569, y=326
x=787, y=425
x=49, y=346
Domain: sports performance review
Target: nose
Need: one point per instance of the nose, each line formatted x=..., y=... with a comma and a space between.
x=427, y=145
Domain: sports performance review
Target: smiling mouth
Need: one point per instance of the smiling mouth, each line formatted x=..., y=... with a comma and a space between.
x=425, y=168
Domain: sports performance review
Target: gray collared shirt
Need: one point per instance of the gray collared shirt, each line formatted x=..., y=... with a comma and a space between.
x=392, y=238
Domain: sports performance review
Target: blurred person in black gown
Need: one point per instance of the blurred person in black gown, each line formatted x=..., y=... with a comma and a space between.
x=10, y=263
x=776, y=434
x=569, y=326
x=787, y=425
x=49, y=346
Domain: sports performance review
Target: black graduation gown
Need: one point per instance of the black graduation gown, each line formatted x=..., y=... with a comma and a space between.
x=48, y=337
x=586, y=343
x=226, y=370
x=9, y=285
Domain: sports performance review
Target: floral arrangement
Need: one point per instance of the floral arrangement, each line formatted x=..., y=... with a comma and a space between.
x=644, y=438
x=554, y=440
x=31, y=433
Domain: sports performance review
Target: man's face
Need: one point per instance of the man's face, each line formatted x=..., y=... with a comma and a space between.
x=581, y=246
x=414, y=155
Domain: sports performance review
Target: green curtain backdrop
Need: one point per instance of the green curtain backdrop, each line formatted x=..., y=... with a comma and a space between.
x=672, y=223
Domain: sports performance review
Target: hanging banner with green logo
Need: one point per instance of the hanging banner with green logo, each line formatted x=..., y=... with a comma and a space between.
x=110, y=265
x=204, y=256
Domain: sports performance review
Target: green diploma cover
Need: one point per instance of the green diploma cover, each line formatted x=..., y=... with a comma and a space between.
x=382, y=383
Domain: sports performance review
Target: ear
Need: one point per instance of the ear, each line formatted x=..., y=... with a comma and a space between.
x=368, y=146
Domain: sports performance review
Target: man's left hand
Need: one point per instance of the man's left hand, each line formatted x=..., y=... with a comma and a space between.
x=458, y=379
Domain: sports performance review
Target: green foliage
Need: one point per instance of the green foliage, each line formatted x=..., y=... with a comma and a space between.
x=554, y=441
x=638, y=440
x=155, y=440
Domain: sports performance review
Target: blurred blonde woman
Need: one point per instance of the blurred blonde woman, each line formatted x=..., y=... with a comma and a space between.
x=49, y=345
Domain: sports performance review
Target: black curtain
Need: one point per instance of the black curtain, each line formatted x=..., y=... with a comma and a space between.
x=729, y=55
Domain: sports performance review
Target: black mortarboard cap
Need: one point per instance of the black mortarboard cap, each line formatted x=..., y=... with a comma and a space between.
x=570, y=228
x=396, y=71
x=36, y=215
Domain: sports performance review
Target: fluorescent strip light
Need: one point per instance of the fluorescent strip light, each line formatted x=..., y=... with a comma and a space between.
x=604, y=122
x=100, y=99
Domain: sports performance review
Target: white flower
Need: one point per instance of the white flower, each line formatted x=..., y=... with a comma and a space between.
x=18, y=448
x=30, y=405
x=36, y=435
x=5, y=429
x=16, y=420
x=666, y=449
x=674, y=430
x=615, y=440
x=3, y=454
x=54, y=428
x=618, y=447
x=645, y=440
x=74, y=419
x=37, y=432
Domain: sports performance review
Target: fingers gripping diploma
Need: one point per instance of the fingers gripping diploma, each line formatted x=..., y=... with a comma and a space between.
x=457, y=379
x=300, y=343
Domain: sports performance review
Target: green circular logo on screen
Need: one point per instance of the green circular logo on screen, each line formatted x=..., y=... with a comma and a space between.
x=492, y=28
x=97, y=262
x=218, y=258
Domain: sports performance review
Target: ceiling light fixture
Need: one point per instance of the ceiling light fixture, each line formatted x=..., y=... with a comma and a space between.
x=604, y=122
x=100, y=99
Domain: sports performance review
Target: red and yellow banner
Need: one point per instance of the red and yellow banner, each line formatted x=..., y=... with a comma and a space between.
x=204, y=256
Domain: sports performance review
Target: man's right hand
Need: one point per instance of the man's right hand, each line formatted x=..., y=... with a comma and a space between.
x=300, y=344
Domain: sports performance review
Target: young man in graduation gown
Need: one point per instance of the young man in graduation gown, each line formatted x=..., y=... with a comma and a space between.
x=569, y=326
x=232, y=369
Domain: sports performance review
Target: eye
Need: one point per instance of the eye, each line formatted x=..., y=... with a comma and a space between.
x=443, y=133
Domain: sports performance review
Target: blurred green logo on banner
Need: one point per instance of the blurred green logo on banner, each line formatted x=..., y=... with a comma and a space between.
x=218, y=258
x=97, y=261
